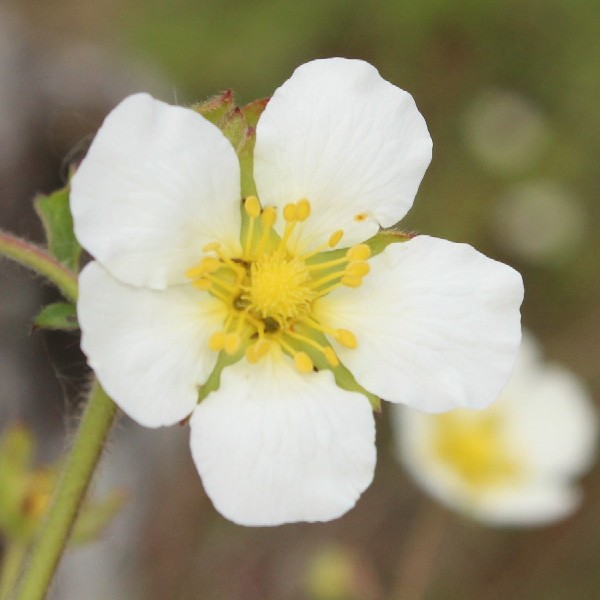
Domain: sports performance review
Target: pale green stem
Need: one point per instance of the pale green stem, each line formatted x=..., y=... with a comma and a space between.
x=14, y=553
x=31, y=256
x=68, y=496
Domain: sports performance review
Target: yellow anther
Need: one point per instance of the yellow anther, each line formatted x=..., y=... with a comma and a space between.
x=210, y=264
x=269, y=215
x=346, y=338
x=302, y=209
x=216, y=341
x=290, y=213
x=360, y=252
x=255, y=352
x=202, y=284
x=331, y=356
x=303, y=362
x=232, y=343
x=252, y=206
x=360, y=217
x=352, y=282
x=211, y=247
x=335, y=238
x=358, y=269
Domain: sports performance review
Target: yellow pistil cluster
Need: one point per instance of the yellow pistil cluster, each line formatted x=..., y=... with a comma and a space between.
x=269, y=290
x=472, y=445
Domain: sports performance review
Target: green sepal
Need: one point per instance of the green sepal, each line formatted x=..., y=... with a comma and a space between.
x=96, y=515
x=58, y=316
x=214, y=379
x=382, y=239
x=253, y=110
x=55, y=213
x=343, y=377
x=234, y=128
x=216, y=108
x=246, y=158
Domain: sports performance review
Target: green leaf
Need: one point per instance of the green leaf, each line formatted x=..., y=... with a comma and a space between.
x=95, y=516
x=55, y=213
x=61, y=316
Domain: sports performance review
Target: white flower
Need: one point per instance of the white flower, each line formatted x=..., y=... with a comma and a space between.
x=515, y=462
x=260, y=325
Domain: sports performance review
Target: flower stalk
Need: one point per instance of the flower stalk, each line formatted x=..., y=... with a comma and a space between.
x=71, y=489
x=31, y=256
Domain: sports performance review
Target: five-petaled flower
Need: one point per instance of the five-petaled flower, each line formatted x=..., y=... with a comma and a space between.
x=514, y=463
x=278, y=311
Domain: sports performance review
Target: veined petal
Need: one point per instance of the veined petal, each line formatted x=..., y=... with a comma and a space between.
x=275, y=446
x=157, y=184
x=437, y=325
x=148, y=348
x=350, y=142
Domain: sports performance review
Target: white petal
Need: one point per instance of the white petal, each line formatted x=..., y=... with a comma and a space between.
x=157, y=184
x=352, y=143
x=437, y=325
x=553, y=418
x=148, y=348
x=275, y=446
x=539, y=503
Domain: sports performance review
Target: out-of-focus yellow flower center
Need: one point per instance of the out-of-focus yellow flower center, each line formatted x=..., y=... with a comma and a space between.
x=270, y=289
x=471, y=443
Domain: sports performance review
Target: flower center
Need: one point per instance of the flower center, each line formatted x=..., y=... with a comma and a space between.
x=473, y=446
x=269, y=290
x=280, y=288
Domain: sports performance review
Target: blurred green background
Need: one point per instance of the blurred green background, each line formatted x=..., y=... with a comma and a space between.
x=510, y=93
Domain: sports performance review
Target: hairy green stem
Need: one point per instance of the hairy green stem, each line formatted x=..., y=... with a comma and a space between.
x=31, y=256
x=68, y=496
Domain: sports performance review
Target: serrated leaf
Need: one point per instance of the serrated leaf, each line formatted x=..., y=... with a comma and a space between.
x=95, y=516
x=58, y=316
x=55, y=213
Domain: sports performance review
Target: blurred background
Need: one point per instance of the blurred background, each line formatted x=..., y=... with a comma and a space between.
x=510, y=94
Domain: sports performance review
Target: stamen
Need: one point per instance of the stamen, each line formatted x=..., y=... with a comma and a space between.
x=216, y=341
x=211, y=246
x=335, y=238
x=232, y=343
x=303, y=362
x=327, y=351
x=289, y=213
x=360, y=252
x=255, y=352
x=302, y=210
x=346, y=338
x=358, y=269
x=252, y=207
x=331, y=356
x=268, y=217
x=351, y=282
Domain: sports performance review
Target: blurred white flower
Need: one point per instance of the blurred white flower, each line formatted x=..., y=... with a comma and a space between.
x=514, y=463
x=541, y=221
x=505, y=131
x=281, y=289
